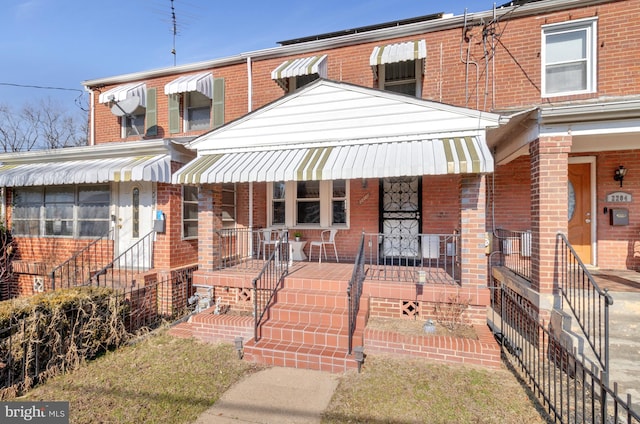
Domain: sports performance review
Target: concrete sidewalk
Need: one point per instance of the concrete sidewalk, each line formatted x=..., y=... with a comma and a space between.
x=275, y=395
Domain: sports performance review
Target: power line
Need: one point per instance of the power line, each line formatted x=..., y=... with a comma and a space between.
x=41, y=87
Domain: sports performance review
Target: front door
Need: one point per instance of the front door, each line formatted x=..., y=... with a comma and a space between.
x=135, y=220
x=580, y=210
x=400, y=217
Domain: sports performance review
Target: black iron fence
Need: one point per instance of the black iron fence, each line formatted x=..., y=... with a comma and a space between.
x=269, y=280
x=515, y=250
x=589, y=304
x=432, y=258
x=126, y=269
x=31, y=349
x=570, y=390
x=354, y=291
x=79, y=268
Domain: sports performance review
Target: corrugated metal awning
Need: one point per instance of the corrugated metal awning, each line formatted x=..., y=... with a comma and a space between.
x=298, y=67
x=155, y=168
x=125, y=91
x=202, y=83
x=398, y=52
x=456, y=155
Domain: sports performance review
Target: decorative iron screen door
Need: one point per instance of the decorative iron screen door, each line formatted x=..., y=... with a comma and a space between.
x=400, y=217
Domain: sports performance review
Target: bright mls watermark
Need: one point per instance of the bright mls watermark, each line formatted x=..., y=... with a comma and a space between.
x=34, y=412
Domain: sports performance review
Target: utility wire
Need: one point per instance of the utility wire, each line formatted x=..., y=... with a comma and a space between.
x=77, y=100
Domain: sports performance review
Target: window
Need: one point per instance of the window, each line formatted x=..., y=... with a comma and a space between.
x=133, y=124
x=189, y=212
x=569, y=58
x=61, y=211
x=295, y=83
x=308, y=203
x=198, y=111
x=400, y=77
x=228, y=205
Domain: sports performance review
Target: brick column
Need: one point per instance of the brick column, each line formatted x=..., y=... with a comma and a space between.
x=549, y=165
x=209, y=220
x=473, y=230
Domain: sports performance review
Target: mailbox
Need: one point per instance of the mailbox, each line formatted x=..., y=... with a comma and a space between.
x=619, y=216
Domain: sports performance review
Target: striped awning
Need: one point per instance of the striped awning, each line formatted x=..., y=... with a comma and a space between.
x=121, y=92
x=398, y=52
x=456, y=155
x=142, y=168
x=298, y=67
x=202, y=83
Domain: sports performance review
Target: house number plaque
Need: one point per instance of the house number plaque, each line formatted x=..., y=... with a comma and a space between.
x=619, y=197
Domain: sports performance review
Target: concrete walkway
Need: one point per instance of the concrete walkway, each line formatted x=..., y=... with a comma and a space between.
x=275, y=395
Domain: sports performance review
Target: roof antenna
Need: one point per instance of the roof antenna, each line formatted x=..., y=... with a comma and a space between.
x=173, y=21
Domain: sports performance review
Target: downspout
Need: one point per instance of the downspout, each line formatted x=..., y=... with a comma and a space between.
x=249, y=107
x=92, y=116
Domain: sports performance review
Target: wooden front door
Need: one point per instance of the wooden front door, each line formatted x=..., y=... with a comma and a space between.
x=580, y=210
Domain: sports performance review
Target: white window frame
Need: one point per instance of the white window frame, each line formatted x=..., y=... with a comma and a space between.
x=590, y=27
x=76, y=218
x=419, y=73
x=291, y=201
x=191, y=202
x=186, y=124
x=126, y=119
x=230, y=222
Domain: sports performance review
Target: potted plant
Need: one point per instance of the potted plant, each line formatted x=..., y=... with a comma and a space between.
x=297, y=235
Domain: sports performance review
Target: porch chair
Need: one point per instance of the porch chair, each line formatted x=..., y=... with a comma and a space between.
x=326, y=237
x=267, y=238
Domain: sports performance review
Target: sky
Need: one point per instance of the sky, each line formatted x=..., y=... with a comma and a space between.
x=60, y=43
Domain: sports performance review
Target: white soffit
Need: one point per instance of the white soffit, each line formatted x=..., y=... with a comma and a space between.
x=299, y=67
x=202, y=83
x=398, y=52
x=402, y=157
x=122, y=92
x=155, y=168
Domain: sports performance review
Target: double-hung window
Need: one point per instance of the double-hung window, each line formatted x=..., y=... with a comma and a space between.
x=569, y=58
x=400, y=77
x=61, y=211
x=309, y=204
x=189, y=212
x=198, y=111
x=133, y=124
x=228, y=205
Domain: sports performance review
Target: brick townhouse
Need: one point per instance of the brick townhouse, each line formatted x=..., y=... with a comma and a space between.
x=422, y=137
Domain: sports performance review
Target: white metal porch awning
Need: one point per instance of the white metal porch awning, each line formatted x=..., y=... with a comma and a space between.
x=398, y=52
x=456, y=155
x=142, y=168
x=122, y=92
x=202, y=83
x=299, y=67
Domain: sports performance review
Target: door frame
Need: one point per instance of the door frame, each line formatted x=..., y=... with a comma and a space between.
x=591, y=160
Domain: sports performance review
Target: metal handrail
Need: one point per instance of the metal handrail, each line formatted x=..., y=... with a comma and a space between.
x=354, y=291
x=269, y=279
x=515, y=250
x=82, y=263
x=589, y=303
x=136, y=259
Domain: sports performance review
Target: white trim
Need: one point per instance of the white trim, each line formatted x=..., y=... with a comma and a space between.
x=590, y=26
x=591, y=160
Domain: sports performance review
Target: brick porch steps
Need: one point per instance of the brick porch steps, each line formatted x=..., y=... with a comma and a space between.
x=307, y=327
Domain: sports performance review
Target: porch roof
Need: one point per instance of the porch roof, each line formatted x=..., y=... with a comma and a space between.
x=109, y=162
x=399, y=156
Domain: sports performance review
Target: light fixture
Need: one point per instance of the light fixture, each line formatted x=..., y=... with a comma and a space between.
x=364, y=183
x=358, y=351
x=238, y=342
x=621, y=171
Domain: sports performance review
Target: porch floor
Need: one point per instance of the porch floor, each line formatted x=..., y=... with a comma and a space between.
x=617, y=280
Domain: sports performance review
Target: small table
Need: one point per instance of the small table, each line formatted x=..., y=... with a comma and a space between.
x=297, y=254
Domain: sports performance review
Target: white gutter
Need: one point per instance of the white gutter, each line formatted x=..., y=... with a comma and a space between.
x=445, y=23
x=622, y=109
x=92, y=118
x=249, y=108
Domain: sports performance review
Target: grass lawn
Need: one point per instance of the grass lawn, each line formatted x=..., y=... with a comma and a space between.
x=168, y=380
